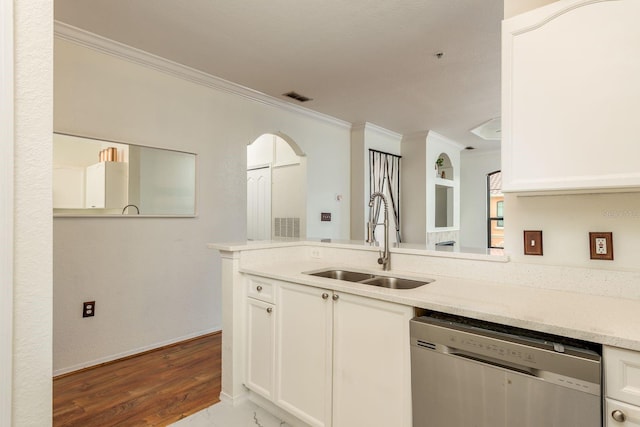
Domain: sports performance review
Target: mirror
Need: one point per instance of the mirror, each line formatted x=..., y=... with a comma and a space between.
x=444, y=206
x=98, y=177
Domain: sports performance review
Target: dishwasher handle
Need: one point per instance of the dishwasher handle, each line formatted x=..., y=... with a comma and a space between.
x=490, y=361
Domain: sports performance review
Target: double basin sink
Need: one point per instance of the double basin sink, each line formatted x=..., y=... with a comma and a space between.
x=390, y=282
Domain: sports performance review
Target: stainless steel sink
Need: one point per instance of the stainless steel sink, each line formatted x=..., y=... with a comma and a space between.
x=394, y=282
x=390, y=282
x=349, y=276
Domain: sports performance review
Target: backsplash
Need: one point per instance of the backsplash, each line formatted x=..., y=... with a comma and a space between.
x=443, y=236
x=619, y=284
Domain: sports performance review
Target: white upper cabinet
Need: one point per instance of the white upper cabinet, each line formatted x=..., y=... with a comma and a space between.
x=571, y=98
x=106, y=185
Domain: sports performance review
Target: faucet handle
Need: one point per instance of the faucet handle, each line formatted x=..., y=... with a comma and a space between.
x=381, y=259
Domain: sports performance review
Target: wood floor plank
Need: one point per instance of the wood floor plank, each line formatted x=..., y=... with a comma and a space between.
x=152, y=389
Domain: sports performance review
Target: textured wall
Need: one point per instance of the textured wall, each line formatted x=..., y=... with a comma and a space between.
x=32, y=222
x=153, y=279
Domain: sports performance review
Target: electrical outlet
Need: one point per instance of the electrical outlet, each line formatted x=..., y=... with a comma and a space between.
x=533, y=242
x=601, y=245
x=88, y=309
x=315, y=253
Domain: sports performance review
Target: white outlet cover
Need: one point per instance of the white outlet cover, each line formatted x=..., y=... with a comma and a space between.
x=601, y=246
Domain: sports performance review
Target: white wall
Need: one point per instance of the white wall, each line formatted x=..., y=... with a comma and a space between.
x=32, y=292
x=516, y=7
x=153, y=279
x=566, y=221
x=414, y=189
x=474, y=167
x=367, y=137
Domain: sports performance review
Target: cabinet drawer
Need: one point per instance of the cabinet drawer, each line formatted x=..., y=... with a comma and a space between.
x=261, y=289
x=629, y=413
x=622, y=375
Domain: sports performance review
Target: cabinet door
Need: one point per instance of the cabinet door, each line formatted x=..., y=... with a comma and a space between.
x=260, y=347
x=569, y=97
x=622, y=374
x=95, y=186
x=303, y=352
x=622, y=411
x=372, y=373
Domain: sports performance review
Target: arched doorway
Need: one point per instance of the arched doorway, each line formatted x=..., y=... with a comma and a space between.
x=276, y=189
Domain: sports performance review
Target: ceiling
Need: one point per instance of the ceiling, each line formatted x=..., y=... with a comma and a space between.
x=359, y=60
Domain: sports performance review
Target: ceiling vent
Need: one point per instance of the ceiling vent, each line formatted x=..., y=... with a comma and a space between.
x=297, y=96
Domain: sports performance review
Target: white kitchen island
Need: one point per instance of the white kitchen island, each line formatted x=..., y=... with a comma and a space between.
x=587, y=304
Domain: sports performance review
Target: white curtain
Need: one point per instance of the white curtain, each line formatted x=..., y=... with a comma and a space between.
x=384, y=177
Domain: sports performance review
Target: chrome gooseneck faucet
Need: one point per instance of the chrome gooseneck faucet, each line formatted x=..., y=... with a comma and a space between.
x=385, y=258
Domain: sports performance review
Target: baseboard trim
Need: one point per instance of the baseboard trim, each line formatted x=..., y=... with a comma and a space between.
x=234, y=400
x=62, y=372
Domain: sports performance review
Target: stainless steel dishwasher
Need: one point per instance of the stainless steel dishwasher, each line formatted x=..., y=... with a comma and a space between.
x=468, y=373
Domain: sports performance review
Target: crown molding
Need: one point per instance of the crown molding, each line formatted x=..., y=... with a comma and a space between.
x=377, y=129
x=446, y=140
x=140, y=57
x=416, y=136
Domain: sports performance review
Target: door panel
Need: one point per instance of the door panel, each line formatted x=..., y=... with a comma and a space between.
x=304, y=353
x=259, y=204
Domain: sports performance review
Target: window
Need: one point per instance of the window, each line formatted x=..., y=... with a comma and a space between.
x=499, y=208
x=495, y=210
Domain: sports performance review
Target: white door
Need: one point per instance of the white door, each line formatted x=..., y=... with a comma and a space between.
x=259, y=204
x=371, y=363
x=303, y=353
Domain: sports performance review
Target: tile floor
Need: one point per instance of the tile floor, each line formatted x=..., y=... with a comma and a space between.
x=223, y=414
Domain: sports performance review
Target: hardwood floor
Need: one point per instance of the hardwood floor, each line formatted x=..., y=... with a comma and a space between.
x=155, y=388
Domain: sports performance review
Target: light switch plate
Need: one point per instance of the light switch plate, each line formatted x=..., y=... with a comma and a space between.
x=533, y=242
x=601, y=245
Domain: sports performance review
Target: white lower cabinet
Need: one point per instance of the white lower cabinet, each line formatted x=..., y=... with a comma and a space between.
x=622, y=387
x=303, y=352
x=627, y=415
x=341, y=360
x=371, y=363
x=260, y=347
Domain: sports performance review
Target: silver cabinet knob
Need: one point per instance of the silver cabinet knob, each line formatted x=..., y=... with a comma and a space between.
x=259, y=288
x=269, y=310
x=335, y=297
x=325, y=295
x=618, y=415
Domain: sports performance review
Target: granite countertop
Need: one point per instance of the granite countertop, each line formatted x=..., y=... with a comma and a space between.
x=600, y=319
